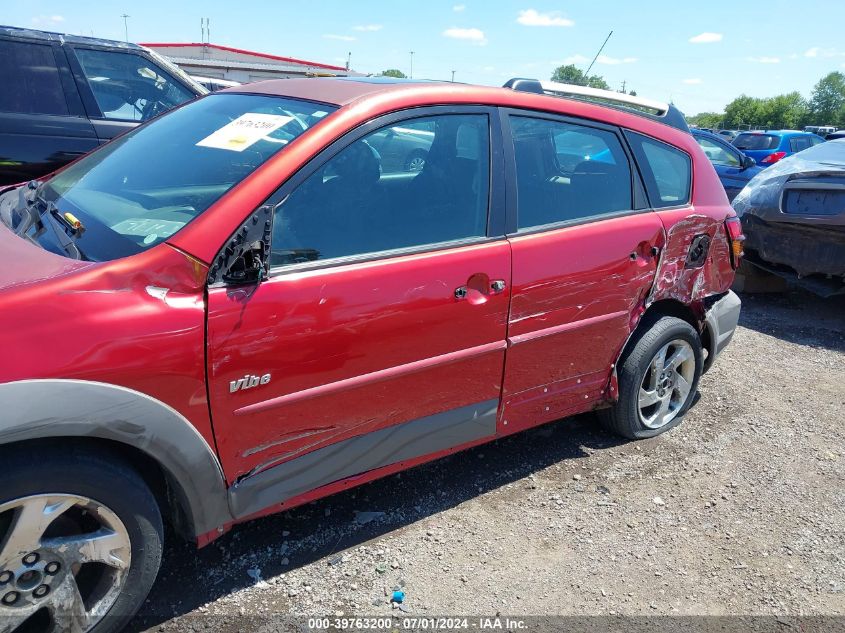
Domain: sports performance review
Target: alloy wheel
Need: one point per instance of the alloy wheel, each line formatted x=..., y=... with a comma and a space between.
x=64, y=560
x=666, y=384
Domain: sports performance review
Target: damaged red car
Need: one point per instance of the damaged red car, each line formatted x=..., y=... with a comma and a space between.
x=242, y=306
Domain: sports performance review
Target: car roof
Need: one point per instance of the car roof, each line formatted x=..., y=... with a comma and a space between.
x=780, y=132
x=705, y=134
x=338, y=91
x=52, y=36
x=405, y=93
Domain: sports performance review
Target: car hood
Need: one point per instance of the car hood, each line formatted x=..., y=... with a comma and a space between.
x=23, y=263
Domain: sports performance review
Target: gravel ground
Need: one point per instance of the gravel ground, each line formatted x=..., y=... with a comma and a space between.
x=740, y=510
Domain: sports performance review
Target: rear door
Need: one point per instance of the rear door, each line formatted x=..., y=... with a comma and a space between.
x=380, y=335
x=42, y=123
x=583, y=259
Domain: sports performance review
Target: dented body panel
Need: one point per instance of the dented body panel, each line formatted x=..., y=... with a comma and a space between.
x=575, y=290
x=352, y=349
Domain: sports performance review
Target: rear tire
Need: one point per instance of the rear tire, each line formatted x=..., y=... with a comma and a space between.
x=95, y=531
x=658, y=379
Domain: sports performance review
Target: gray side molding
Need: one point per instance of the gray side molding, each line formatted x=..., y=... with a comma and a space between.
x=34, y=409
x=362, y=453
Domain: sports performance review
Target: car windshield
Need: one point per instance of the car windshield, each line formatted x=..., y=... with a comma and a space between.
x=144, y=186
x=756, y=141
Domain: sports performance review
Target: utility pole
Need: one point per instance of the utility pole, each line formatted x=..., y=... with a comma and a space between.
x=623, y=87
x=453, y=76
x=590, y=67
x=348, y=60
x=125, y=26
x=411, y=75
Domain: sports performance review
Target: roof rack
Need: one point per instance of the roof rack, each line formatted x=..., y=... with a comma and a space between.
x=654, y=110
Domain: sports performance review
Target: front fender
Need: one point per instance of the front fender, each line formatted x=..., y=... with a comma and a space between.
x=38, y=409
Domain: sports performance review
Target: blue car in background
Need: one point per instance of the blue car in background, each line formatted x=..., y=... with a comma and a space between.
x=770, y=146
x=734, y=168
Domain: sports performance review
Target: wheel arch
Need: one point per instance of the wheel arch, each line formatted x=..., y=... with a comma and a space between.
x=663, y=308
x=169, y=453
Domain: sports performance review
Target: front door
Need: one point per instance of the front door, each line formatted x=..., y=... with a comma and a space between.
x=379, y=336
x=582, y=262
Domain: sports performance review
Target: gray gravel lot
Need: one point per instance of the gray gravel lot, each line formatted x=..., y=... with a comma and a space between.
x=740, y=510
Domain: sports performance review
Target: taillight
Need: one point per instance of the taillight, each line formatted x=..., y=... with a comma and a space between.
x=773, y=158
x=736, y=238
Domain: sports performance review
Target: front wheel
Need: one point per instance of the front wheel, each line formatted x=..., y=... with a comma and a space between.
x=658, y=379
x=80, y=542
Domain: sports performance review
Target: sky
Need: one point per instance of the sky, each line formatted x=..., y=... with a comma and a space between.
x=698, y=55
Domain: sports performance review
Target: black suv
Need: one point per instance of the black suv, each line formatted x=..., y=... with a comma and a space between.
x=63, y=95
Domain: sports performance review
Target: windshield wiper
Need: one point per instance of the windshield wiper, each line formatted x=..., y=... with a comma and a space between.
x=35, y=207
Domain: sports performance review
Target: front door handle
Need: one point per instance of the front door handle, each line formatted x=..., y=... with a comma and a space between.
x=479, y=288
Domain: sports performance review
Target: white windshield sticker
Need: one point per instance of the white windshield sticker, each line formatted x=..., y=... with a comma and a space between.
x=146, y=227
x=244, y=131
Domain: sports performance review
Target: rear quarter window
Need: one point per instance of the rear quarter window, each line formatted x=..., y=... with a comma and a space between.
x=666, y=170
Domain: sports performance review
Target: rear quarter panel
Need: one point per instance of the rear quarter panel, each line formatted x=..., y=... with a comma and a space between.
x=706, y=214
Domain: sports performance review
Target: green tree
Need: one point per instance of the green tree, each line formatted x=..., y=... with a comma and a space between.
x=707, y=119
x=570, y=74
x=743, y=111
x=827, y=101
x=633, y=93
x=787, y=111
x=394, y=72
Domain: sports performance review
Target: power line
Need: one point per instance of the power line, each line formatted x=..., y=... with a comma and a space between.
x=590, y=67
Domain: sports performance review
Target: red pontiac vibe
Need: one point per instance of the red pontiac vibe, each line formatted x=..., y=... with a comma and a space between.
x=284, y=289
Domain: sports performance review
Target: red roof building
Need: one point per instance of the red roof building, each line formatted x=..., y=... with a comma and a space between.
x=234, y=64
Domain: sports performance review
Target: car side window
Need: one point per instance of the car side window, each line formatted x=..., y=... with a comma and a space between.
x=30, y=79
x=667, y=170
x=567, y=172
x=717, y=154
x=799, y=143
x=419, y=182
x=128, y=86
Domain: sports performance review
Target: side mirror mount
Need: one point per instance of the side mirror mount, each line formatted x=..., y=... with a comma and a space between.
x=249, y=267
x=245, y=257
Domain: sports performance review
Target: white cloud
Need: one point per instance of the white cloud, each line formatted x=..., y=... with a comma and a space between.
x=367, y=27
x=47, y=19
x=764, y=60
x=489, y=69
x=459, y=7
x=476, y=36
x=706, y=38
x=817, y=51
x=693, y=82
x=614, y=61
x=342, y=38
x=531, y=17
